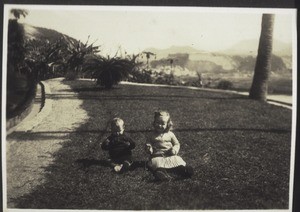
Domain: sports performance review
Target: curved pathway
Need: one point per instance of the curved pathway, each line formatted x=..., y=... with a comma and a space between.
x=30, y=146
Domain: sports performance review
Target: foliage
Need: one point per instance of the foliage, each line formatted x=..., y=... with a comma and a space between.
x=225, y=84
x=17, y=82
x=76, y=52
x=56, y=58
x=17, y=13
x=45, y=59
x=148, y=55
x=16, y=50
x=141, y=76
x=167, y=79
x=109, y=71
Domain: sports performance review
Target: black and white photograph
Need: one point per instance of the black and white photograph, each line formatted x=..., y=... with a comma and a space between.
x=148, y=108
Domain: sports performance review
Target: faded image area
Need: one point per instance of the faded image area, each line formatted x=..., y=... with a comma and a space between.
x=148, y=108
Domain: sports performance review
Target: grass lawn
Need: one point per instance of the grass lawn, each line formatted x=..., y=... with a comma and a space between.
x=239, y=148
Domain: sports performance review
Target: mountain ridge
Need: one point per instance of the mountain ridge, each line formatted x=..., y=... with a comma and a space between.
x=244, y=47
x=227, y=60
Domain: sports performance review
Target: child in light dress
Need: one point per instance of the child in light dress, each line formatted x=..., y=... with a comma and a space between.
x=163, y=147
x=119, y=147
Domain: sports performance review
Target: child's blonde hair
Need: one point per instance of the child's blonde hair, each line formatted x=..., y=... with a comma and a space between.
x=165, y=114
x=116, y=124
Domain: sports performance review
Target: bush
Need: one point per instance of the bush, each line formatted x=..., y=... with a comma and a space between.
x=225, y=85
x=140, y=76
x=108, y=71
x=70, y=75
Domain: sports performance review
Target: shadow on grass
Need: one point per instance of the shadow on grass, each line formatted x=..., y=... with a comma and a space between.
x=240, y=152
x=86, y=163
x=138, y=97
x=40, y=135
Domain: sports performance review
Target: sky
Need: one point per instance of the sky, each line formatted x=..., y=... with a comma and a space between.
x=137, y=28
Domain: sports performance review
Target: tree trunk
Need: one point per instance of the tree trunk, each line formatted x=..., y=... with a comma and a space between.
x=259, y=88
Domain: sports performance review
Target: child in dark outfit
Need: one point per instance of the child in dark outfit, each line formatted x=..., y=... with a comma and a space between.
x=119, y=147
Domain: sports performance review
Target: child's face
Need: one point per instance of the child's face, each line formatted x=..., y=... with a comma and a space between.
x=161, y=123
x=117, y=129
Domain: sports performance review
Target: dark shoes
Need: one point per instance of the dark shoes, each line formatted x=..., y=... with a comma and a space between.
x=188, y=171
x=162, y=175
x=184, y=171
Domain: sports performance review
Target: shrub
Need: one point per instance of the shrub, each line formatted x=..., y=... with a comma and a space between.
x=140, y=76
x=225, y=85
x=108, y=71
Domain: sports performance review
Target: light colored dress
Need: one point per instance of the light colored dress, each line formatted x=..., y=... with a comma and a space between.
x=161, y=144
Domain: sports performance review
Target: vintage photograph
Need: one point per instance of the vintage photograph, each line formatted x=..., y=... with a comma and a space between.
x=148, y=108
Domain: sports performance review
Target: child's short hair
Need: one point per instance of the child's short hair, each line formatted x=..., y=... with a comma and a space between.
x=162, y=113
x=116, y=123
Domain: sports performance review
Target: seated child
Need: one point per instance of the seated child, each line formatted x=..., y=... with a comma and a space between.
x=163, y=148
x=119, y=146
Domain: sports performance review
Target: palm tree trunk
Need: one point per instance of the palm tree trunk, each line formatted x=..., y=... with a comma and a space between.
x=262, y=69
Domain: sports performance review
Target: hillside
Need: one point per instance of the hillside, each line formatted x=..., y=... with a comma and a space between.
x=240, y=57
x=32, y=32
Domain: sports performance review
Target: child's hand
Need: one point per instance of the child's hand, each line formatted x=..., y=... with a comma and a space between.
x=171, y=152
x=149, y=149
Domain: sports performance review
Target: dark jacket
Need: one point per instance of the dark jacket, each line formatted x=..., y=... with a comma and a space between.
x=118, y=146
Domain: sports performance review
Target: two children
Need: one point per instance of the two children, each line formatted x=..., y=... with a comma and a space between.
x=162, y=147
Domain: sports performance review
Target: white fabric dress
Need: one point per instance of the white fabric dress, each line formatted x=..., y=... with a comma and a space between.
x=161, y=144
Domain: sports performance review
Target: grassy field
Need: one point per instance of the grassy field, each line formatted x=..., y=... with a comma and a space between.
x=239, y=148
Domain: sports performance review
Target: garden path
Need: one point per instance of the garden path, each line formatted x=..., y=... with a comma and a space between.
x=29, y=148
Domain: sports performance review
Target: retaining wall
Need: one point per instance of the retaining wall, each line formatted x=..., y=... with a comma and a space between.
x=23, y=110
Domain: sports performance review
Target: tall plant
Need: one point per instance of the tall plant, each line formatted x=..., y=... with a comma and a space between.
x=109, y=71
x=76, y=52
x=16, y=50
x=18, y=85
x=42, y=56
x=17, y=13
x=148, y=55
